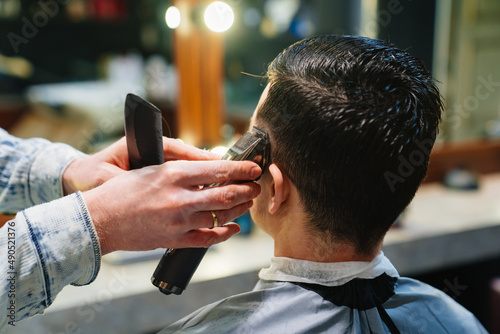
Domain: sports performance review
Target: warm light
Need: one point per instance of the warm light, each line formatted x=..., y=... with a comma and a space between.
x=221, y=150
x=173, y=17
x=219, y=16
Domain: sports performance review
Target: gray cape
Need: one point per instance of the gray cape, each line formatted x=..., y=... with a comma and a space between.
x=305, y=297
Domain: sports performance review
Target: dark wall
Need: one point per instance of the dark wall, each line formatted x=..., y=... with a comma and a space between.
x=411, y=28
x=62, y=49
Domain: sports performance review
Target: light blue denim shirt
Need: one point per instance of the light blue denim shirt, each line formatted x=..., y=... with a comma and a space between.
x=52, y=242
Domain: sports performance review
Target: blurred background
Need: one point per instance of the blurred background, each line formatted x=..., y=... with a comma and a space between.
x=67, y=65
x=79, y=58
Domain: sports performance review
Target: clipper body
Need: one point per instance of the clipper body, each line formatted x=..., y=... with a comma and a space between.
x=145, y=146
x=177, y=267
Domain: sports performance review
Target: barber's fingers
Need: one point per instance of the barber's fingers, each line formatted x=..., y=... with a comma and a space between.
x=196, y=173
x=173, y=149
x=223, y=197
x=205, y=219
x=206, y=237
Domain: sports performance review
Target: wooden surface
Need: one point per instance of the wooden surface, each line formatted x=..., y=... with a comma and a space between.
x=4, y=219
x=198, y=54
x=480, y=156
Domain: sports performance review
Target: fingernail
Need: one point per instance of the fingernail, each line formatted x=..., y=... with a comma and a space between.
x=255, y=172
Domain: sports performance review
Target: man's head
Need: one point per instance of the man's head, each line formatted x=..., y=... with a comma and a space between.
x=351, y=122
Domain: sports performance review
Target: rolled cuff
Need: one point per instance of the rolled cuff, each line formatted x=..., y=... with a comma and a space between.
x=45, y=174
x=66, y=243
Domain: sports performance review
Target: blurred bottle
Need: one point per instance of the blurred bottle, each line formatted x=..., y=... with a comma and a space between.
x=108, y=10
x=160, y=80
x=461, y=178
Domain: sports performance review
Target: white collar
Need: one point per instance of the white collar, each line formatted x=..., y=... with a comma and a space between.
x=328, y=274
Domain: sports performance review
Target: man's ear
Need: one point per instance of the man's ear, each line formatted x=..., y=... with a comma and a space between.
x=279, y=188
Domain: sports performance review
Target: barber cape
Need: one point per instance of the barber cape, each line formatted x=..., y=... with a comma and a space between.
x=296, y=296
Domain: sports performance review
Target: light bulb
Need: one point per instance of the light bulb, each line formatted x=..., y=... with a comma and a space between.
x=173, y=17
x=219, y=16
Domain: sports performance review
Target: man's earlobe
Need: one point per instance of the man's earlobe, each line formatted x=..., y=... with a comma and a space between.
x=279, y=191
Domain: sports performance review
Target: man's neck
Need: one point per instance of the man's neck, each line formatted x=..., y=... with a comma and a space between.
x=317, y=253
x=294, y=240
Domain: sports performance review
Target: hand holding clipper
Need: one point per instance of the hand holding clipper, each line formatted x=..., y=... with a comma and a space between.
x=177, y=266
x=143, y=132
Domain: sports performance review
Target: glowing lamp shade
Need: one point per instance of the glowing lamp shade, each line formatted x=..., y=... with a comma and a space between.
x=173, y=17
x=219, y=16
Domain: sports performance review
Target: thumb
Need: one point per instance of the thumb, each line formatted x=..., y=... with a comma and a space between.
x=110, y=171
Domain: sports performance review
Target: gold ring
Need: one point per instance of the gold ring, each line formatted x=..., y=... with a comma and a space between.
x=214, y=217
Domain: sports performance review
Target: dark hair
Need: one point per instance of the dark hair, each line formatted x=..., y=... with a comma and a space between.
x=352, y=121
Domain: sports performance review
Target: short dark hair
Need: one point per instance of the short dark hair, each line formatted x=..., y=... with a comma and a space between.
x=352, y=121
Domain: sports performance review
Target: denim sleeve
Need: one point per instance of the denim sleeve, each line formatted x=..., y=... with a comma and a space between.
x=31, y=170
x=43, y=249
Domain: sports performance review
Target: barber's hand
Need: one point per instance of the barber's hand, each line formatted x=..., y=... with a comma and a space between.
x=93, y=170
x=164, y=206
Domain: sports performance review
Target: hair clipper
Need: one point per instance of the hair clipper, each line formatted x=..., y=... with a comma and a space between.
x=143, y=132
x=177, y=266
